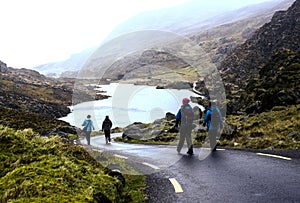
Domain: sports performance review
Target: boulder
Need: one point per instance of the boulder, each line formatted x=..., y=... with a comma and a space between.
x=170, y=116
x=229, y=131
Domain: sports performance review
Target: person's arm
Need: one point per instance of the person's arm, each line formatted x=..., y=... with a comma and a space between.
x=84, y=123
x=205, y=118
x=178, y=117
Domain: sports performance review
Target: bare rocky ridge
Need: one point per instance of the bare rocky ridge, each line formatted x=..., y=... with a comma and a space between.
x=245, y=63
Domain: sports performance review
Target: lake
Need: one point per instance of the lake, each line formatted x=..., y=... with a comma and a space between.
x=129, y=103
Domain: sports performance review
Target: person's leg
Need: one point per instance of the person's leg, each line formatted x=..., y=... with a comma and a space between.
x=88, y=137
x=108, y=133
x=189, y=140
x=181, y=139
x=212, y=135
x=106, y=136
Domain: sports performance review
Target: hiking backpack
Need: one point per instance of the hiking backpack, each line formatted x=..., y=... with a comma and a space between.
x=106, y=125
x=187, y=115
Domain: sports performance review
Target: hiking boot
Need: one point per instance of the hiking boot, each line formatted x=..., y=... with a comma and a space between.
x=190, y=151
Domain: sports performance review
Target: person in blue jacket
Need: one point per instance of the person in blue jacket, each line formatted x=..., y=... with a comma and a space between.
x=214, y=122
x=185, y=118
x=89, y=126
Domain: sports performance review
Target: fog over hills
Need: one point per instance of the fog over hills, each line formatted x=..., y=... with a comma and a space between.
x=188, y=20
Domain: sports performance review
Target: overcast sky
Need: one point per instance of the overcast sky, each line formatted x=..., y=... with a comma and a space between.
x=34, y=32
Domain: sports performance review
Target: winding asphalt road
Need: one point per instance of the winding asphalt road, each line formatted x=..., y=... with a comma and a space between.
x=226, y=175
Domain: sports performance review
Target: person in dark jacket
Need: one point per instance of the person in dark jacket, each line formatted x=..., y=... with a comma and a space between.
x=214, y=122
x=88, y=126
x=185, y=118
x=106, y=126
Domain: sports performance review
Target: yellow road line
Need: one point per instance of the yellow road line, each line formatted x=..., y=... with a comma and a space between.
x=275, y=156
x=176, y=185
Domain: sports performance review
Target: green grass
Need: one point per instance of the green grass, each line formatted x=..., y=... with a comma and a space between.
x=22, y=120
x=268, y=130
x=36, y=169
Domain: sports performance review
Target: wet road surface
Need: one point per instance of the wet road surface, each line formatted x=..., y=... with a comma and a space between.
x=226, y=175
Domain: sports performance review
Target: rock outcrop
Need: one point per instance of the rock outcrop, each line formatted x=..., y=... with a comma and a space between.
x=28, y=91
x=245, y=64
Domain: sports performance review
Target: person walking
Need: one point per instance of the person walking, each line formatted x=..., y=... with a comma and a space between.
x=185, y=117
x=214, y=122
x=88, y=127
x=106, y=126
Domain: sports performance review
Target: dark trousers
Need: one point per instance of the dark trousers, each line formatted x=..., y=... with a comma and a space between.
x=185, y=134
x=107, y=135
x=88, y=137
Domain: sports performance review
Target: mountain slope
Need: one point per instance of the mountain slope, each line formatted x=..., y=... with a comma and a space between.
x=278, y=83
x=247, y=61
x=28, y=91
x=187, y=20
x=118, y=59
x=31, y=100
x=68, y=67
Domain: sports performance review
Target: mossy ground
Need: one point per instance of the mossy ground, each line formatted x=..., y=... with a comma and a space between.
x=277, y=129
x=22, y=120
x=36, y=169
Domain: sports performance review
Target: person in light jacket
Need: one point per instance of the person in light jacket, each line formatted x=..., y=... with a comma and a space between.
x=88, y=126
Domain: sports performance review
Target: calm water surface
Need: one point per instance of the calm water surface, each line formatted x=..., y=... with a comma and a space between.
x=129, y=103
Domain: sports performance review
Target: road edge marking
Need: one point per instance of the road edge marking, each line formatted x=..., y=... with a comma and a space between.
x=97, y=150
x=152, y=166
x=275, y=156
x=176, y=185
x=120, y=156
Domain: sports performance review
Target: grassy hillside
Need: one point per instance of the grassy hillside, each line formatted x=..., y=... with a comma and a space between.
x=22, y=120
x=276, y=129
x=35, y=169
